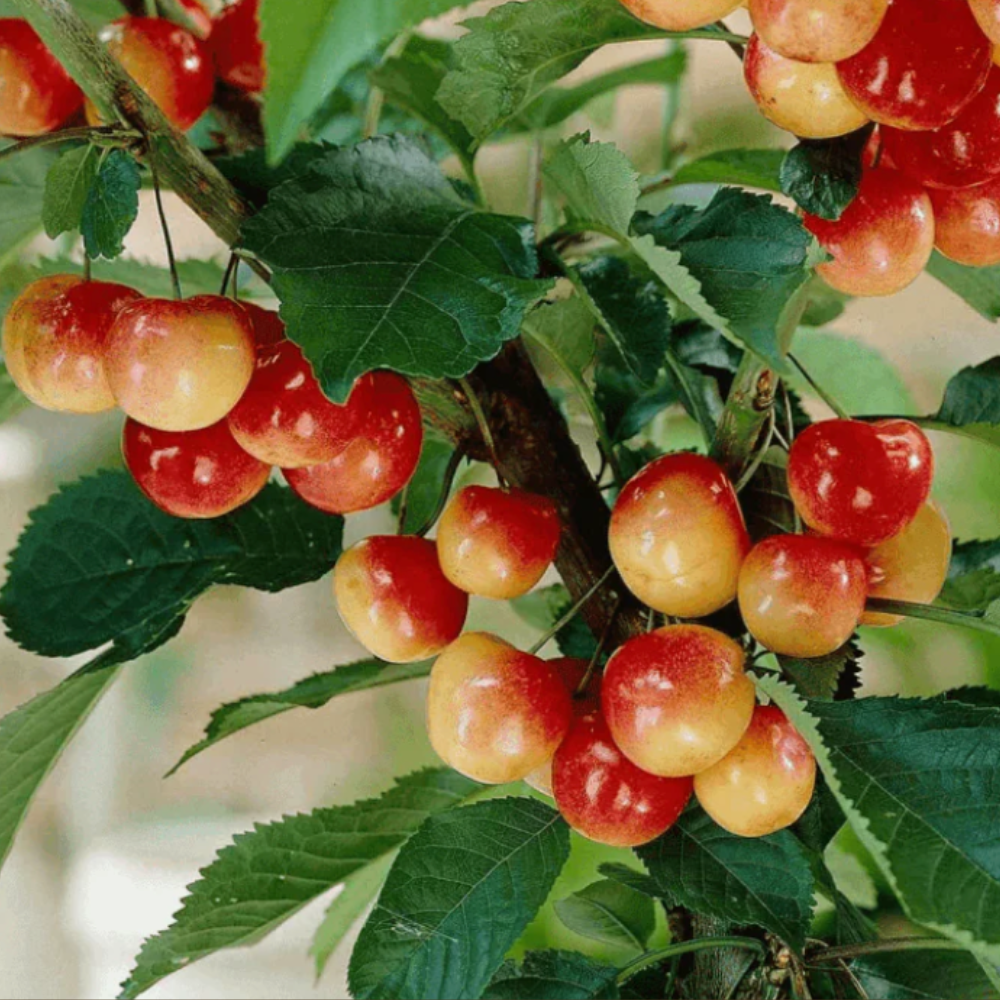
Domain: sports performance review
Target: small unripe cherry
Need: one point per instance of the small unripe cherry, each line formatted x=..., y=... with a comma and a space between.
x=497, y=543
x=820, y=31
x=680, y=15
x=395, y=600
x=237, y=48
x=967, y=224
x=494, y=713
x=765, y=782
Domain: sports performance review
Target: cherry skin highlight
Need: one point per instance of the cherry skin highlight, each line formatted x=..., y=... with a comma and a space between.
x=677, y=699
x=680, y=15
x=883, y=240
x=381, y=458
x=765, y=783
x=860, y=482
x=497, y=543
x=395, y=600
x=967, y=224
x=677, y=536
x=180, y=366
x=604, y=796
x=820, y=31
x=237, y=48
x=192, y=474
x=494, y=713
x=987, y=15
x=36, y=94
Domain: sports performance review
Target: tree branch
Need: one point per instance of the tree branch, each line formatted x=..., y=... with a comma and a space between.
x=748, y=409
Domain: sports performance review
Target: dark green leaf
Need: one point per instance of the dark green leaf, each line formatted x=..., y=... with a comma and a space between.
x=822, y=820
x=575, y=638
x=836, y=675
x=540, y=608
x=255, y=177
x=973, y=396
x=627, y=405
x=822, y=175
x=610, y=912
x=967, y=557
x=112, y=205
x=554, y=975
x=974, y=591
x=424, y=490
x=979, y=286
x=67, y=187
x=766, y=504
x=639, y=881
x=755, y=168
x=924, y=975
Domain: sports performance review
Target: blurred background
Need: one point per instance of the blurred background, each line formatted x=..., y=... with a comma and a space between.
x=109, y=845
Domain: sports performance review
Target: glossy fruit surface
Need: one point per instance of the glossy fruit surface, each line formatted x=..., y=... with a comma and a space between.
x=882, y=241
x=822, y=31
x=765, y=783
x=803, y=595
x=381, y=458
x=677, y=699
x=678, y=537
x=604, y=796
x=494, y=713
x=987, y=14
x=497, y=543
x=268, y=329
x=860, y=482
x=680, y=15
x=967, y=224
x=193, y=474
x=237, y=48
x=806, y=99
x=927, y=61
x=180, y=366
x=36, y=94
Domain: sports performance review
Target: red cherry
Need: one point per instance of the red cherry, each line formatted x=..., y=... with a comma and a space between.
x=379, y=461
x=927, y=61
x=987, y=14
x=237, y=48
x=604, y=796
x=967, y=224
x=194, y=474
x=36, y=94
x=860, y=482
x=268, y=329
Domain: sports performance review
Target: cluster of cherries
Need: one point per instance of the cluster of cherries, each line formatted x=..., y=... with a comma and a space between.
x=177, y=68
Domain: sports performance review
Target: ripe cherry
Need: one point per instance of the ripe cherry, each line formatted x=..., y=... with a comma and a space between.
x=36, y=94
x=967, y=224
x=987, y=15
x=237, y=48
x=381, y=458
x=804, y=98
x=765, y=783
x=494, y=713
x=392, y=595
x=820, y=31
x=803, y=595
x=677, y=699
x=268, y=329
x=180, y=366
x=497, y=543
x=193, y=474
x=900, y=77
x=678, y=537
x=882, y=241
x=604, y=796
x=680, y=15
x=860, y=482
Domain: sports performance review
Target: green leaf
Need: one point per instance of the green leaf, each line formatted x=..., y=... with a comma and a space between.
x=565, y=329
x=822, y=175
x=95, y=12
x=979, y=286
x=924, y=975
x=825, y=305
x=67, y=187
x=609, y=912
x=627, y=405
x=974, y=591
x=973, y=396
x=836, y=675
x=135, y=571
x=22, y=193
x=397, y=271
x=554, y=975
x=12, y=400
x=268, y=874
x=765, y=882
x=255, y=177
x=423, y=492
x=967, y=557
x=112, y=205
x=755, y=168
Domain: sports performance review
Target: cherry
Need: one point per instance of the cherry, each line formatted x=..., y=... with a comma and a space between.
x=912, y=566
x=882, y=241
x=804, y=98
x=497, y=543
x=199, y=19
x=678, y=537
x=803, y=595
x=36, y=94
x=194, y=474
x=967, y=224
x=820, y=31
x=494, y=713
x=381, y=458
x=53, y=341
x=765, y=783
x=237, y=48
x=268, y=329
x=677, y=699
x=604, y=796
x=927, y=61
x=860, y=482
x=180, y=366
x=167, y=62
x=395, y=600
x=987, y=15
x=680, y=15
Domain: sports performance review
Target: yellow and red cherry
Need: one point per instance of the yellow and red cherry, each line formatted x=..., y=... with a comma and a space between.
x=967, y=224
x=180, y=365
x=394, y=599
x=912, y=566
x=677, y=536
x=380, y=459
x=884, y=238
x=680, y=15
x=268, y=328
x=497, y=543
x=860, y=482
x=806, y=99
x=607, y=798
x=927, y=61
x=765, y=782
x=237, y=48
x=819, y=31
x=803, y=595
x=987, y=15
x=36, y=94
x=172, y=66
x=192, y=474
x=677, y=699
x=495, y=713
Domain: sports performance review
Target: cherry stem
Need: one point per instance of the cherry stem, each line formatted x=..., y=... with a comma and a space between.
x=758, y=459
x=819, y=390
x=684, y=948
x=599, y=651
x=848, y=951
x=171, y=260
x=448, y=480
x=114, y=135
x=933, y=613
x=738, y=47
x=484, y=427
x=86, y=267
x=151, y=10
x=565, y=619
x=232, y=269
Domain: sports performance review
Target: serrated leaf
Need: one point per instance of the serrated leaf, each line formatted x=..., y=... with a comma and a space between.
x=978, y=286
x=822, y=175
x=974, y=591
x=554, y=975
x=111, y=206
x=836, y=675
x=458, y=896
x=973, y=396
x=67, y=187
x=755, y=168
x=924, y=975
x=610, y=912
